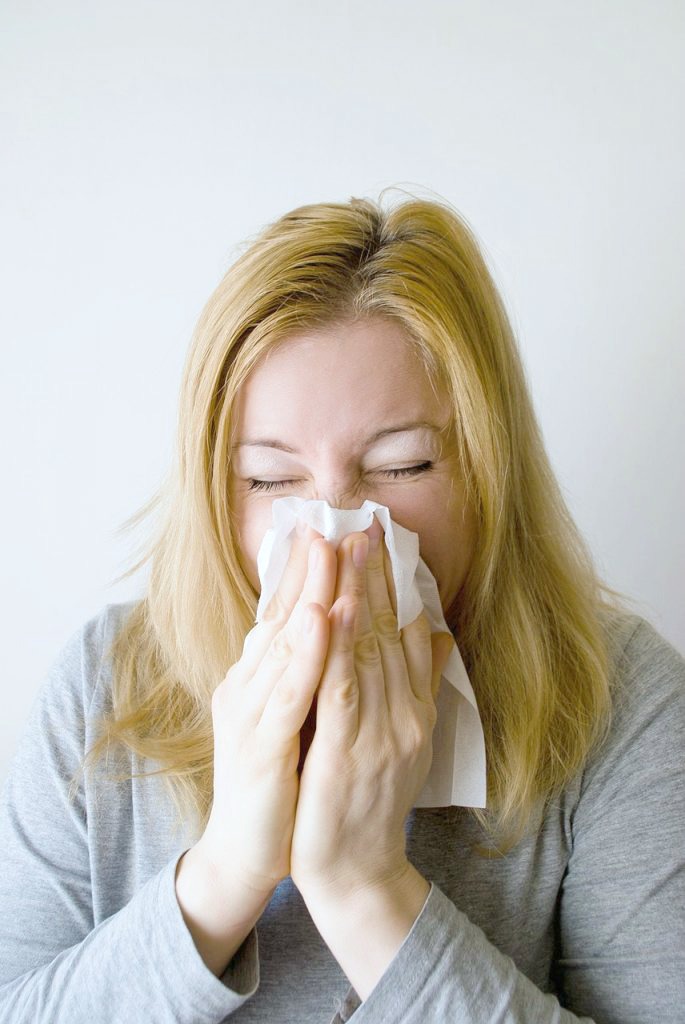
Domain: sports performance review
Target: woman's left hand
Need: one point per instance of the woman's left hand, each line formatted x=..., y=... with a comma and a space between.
x=372, y=750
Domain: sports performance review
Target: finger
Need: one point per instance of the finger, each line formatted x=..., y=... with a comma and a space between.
x=317, y=586
x=287, y=702
x=378, y=589
x=338, y=705
x=382, y=613
x=390, y=582
x=319, y=583
x=272, y=650
x=352, y=583
x=425, y=657
x=290, y=585
x=416, y=641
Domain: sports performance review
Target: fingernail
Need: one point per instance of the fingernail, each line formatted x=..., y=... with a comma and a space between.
x=308, y=621
x=348, y=613
x=375, y=533
x=301, y=527
x=360, y=550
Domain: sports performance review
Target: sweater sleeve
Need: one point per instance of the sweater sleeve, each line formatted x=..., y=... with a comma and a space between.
x=138, y=965
x=621, y=922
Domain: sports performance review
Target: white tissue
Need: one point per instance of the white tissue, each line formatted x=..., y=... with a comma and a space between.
x=457, y=774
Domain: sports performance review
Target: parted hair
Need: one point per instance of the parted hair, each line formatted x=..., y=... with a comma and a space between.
x=532, y=615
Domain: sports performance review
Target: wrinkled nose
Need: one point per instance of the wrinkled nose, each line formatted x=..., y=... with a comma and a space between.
x=349, y=498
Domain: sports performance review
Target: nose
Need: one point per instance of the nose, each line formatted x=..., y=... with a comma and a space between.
x=348, y=497
x=348, y=500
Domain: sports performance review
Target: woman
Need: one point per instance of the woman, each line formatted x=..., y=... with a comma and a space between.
x=244, y=840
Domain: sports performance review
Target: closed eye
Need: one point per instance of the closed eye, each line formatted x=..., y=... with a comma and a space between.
x=395, y=474
x=408, y=470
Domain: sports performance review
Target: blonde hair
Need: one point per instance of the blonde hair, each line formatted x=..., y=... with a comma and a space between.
x=531, y=623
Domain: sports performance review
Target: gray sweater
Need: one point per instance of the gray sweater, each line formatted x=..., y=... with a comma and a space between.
x=585, y=920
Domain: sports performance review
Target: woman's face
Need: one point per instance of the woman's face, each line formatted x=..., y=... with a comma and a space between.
x=343, y=415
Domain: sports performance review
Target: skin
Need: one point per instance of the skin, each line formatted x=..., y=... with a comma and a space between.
x=326, y=720
x=373, y=380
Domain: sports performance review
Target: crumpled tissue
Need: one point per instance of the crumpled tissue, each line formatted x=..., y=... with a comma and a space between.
x=458, y=772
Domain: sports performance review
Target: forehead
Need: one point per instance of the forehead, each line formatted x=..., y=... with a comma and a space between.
x=344, y=378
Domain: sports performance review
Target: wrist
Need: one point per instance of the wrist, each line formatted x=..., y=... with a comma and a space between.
x=403, y=889
x=219, y=885
x=365, y=927
x=403, y=884
x=218, y=911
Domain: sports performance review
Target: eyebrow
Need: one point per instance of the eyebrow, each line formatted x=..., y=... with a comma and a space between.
x=265, y=442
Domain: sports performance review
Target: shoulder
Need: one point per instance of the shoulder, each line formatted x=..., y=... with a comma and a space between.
x=646, y=739
x=79, y=673
x=639, y=652
x=648, y=673
x=54, y=736
x=620, y=913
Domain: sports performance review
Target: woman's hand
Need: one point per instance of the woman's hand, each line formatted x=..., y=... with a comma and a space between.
x=225, y=881
x=258, y=711
x=372, y=749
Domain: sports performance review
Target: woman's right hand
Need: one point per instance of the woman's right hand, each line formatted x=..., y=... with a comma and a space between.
x=225, y=881
x=258, y=711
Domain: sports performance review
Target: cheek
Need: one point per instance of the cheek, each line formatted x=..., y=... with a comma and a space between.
x=253, y=520
x=436, y=552
x=419, y=517
x=446, y=537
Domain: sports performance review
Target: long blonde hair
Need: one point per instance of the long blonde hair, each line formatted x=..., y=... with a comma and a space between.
x=532, y=615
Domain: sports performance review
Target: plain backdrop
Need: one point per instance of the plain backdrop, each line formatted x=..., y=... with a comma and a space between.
x=142, y=142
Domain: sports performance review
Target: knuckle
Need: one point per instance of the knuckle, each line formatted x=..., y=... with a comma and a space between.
x=366, y=649
x=357, y=587
x=221, y=695
x=343, y=641
x=414, y=737
x=430, y=713
x=233, y=675
x=423, y=629
x=375, y=568
x=280, y=648
x=385, y=625
x=346, y=692
x=276, y=610
x=286, y=693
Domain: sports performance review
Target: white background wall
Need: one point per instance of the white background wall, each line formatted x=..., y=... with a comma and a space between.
x=141, y=142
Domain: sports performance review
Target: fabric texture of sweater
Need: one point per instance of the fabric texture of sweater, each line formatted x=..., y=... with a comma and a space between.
x=585, y=920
